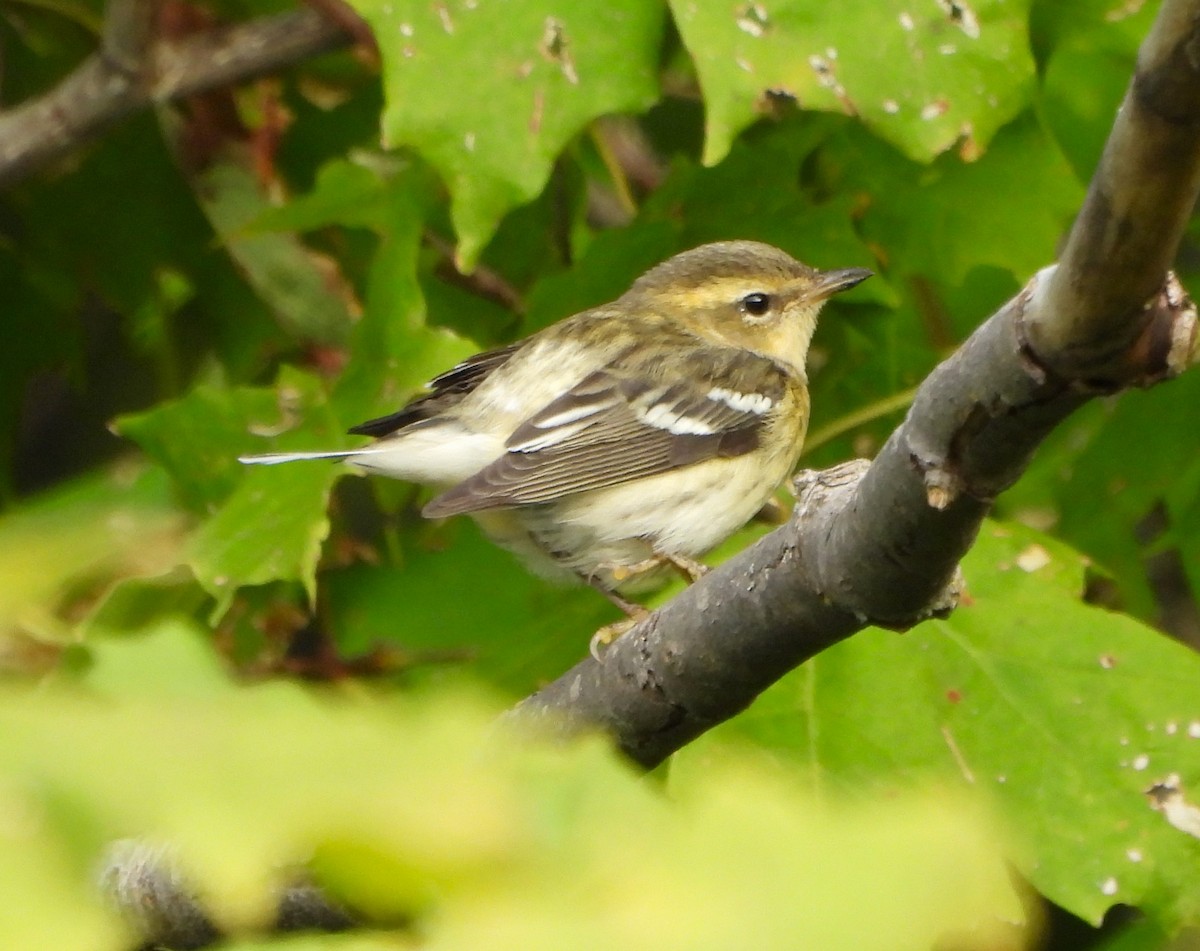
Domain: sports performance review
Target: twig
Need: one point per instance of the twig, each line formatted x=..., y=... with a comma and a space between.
x=482, y=280
x=130, y=72
x=867, y=414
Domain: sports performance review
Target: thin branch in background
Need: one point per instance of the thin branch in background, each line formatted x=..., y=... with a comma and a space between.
x=345, y=16
x=867, y=414
x=616, y=173
x=482, y=280
x=133, y=70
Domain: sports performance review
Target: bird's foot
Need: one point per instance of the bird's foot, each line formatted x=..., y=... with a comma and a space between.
x=691, y=569
x=610, y=632
x=621, y=573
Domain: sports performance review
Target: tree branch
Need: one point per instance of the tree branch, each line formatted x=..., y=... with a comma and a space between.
x=1137, y=207
x=132, y=71
x=884, y=549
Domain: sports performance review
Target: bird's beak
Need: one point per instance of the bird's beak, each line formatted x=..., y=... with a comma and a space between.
x=828, y=283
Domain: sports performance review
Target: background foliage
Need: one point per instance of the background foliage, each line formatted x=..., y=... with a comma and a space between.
x=254, y=271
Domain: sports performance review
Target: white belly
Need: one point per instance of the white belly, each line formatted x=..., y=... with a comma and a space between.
x=685, y=512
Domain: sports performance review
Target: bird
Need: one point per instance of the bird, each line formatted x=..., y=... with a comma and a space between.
x=624, y=442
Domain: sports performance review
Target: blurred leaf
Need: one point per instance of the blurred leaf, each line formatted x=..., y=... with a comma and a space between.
x=46, y=338
x=1145, y=936
x=777, y=210
x=957, y=216
x=613, y=260
x=1060, y=713
x=1073, y=107
x=307, y=293
x=522, y=847
x=50, y=901
x=1088, y=49
x=273, y=523
x=522, y=633
x=198, y=438
x=345, y=193
x=62, y=550
x=1121, y=458
x=175, y=664
x=527, y=76
x=955, y=72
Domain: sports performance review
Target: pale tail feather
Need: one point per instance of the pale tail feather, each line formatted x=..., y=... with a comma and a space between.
x=274, y=458
x=441, y=456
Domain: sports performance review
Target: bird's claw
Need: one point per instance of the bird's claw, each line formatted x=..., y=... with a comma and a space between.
x=610, y=632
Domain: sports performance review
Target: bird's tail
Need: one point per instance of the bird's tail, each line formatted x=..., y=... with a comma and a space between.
x=274, y=458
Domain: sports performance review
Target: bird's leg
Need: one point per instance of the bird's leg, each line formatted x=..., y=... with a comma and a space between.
x=773, y=512
x=621, y=572
x=610, y=632
x=691, y=569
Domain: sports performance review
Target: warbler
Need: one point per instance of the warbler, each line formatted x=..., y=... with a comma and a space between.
x=628, y=439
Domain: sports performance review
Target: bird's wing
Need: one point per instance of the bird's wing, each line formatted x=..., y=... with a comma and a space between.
x=640, y=416
x=443, y=392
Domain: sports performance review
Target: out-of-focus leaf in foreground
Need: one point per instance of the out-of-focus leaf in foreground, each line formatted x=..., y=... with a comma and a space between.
x=423, y=811
x=64, y=550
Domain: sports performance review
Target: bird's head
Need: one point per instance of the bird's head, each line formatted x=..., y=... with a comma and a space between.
x=744, y=294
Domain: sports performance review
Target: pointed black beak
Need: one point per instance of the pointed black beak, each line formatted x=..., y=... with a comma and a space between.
x=829, y=283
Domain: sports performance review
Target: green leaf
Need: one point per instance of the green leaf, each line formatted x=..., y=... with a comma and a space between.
x=945, y=221
x=527, y=846
x=310, y=299
x=779, y=209
x=273, y=523
x=614, y=260
x=270, y=529
x=51, y=901
x=345, y=193
x=1059, y=713
x=393, y=352
x=922, y=77
x=44, y=336
x=490, y=93
x=63, y=550
x=198, y=437
x=522, y=633
x=1122, y=458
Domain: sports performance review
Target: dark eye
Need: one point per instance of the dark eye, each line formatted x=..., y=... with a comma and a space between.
x=756, y=304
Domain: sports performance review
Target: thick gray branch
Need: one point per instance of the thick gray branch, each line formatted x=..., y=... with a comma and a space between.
x=129, y=72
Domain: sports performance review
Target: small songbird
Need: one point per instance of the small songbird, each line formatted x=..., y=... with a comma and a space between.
x=630, y=438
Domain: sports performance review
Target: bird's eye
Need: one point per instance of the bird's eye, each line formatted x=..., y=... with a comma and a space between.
x=756, y=304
